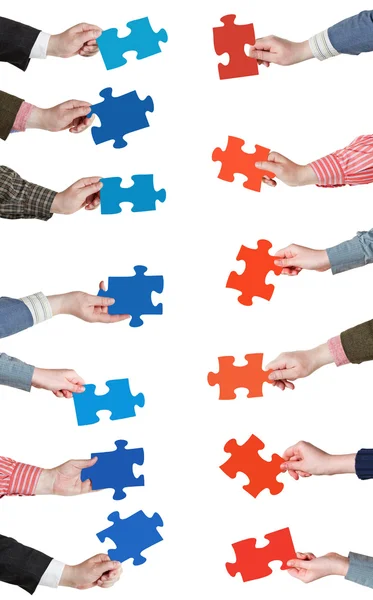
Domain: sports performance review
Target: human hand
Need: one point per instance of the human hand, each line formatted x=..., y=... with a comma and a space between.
x=305, y=459
x=96, y=571
x=308, y=568
x=286, y=171
x=71, y=115
x=92, y=309
x=62, y=382
x=273, y=49
x=289, y=366
x=85, y=193
x=80, y=39
x=65, y=480
x=293, y=259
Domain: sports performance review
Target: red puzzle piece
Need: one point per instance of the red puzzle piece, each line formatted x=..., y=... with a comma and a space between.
x=252, y=282
x=231, y=377
x=231, y=39
x=234, y=160
x=252, y=562
x=245, y=459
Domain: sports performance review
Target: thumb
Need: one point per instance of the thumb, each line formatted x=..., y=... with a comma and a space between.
x=88, y=189
x=262, y=55
x=102, y=300
x=86, y=36
x=287, y=262
x=266, y=165
x=85, y=463
x=293, y=465
x=299, y=564
x=102, y=567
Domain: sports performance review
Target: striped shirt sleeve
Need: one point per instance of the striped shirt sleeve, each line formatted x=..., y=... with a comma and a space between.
x=352, y=165
x=321, y=46
x=39, y=307
x=17, y=479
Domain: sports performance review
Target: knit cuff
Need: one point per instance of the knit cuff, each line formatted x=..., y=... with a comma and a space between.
x=337, y=351
x=345, y=256
x=321, y=46
x=39, y=307
x=360, y=569
x=24, y=480
x=364, y=464
x=22, y=116
x=328, y=170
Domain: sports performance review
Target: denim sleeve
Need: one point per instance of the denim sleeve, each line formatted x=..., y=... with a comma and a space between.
x=353, y=253
x=14, y=316
x=353, y=35
x=15, y=373
x=360, y=569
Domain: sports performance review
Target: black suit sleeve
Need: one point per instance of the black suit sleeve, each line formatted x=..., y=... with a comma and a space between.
x=16, y=42
x=20, y=565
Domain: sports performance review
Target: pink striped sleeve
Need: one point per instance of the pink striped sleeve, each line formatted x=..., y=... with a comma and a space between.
x=337, y=351
x=22, y=116
x=352, y=165
x=17, y=479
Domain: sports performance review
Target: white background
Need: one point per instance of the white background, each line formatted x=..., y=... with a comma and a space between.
x=192, y=239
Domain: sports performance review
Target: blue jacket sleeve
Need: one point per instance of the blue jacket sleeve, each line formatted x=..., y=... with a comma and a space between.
x=14, y=316
x=360, y=569
x=15, y=373
x=353, y=253
x=364, y=464
x=353, y=35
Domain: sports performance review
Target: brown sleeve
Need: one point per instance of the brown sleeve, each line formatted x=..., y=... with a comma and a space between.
x=357, y=342
x=9, y=107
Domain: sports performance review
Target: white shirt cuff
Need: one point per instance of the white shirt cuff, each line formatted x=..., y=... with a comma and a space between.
x=39, y=49
x=53, y=574
x=39, y=307
x=321, y=46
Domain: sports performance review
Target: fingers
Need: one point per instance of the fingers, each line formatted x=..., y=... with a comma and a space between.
x=76, y=108
x=290, y=452
x=299, y=564
x=81, y=124
x=102, y=286
x=106, y=567
x=90, y=190
x=266, y=165
x=282, y=374
x=90, y=32
x=75, y=384
x=102, y=300
x=86, y=182
x=106, y=318
x=270, y=182
x=262, y=55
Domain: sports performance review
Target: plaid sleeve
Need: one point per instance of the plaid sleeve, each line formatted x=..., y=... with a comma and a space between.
x=20, y=199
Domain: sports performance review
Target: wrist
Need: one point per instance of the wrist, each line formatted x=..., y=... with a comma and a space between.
x=67, y=577
x=36, y=119
x=341, y=464
x=61, y=304
x=52, y=49
x=340, y=565
x=324, y=260
x=45, y=483
x=304, y=51
x=306, y=175
x=321, y=356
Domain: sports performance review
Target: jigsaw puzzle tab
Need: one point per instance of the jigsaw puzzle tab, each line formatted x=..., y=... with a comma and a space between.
x=133, y=295
x=119, y=115
x=141, y=194
x=114, y=469
x=261, y=473
x=142, y=39
x=118, y=400
x=253, y=562
x=132, y=536
x=235, y=160
x=232, y=39
x=252, y=282
x=232, y=377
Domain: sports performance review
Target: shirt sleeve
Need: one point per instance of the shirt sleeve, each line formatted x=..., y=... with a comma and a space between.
x=39, y=307
x=22, y=117
x=337, y=351
x=353, y=253
x=52, y=576
x=39, y=49
x=352, y=165
x=17, y=479
x=20, y=199
x=364, y=464
x=321, y=46
x=15, y=373
x=360, y=569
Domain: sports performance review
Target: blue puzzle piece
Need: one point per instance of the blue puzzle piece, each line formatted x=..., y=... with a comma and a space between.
x=133, y=295
x=119, y=115
x=141, y=39
x=141, y=194
x=132, y=535
x=118, y=400
x=114, y=469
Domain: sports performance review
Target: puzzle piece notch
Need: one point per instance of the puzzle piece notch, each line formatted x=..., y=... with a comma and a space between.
x=141, y=194
x=133, y=295
x=246, y=459
x=235, y=160
x=132, y=535
x=231, y=377
x=232, y=39
x=253, y=562
x=119, y=115
x=114, y=469
x=118, y=400
x=142, y=39
x=252, y=282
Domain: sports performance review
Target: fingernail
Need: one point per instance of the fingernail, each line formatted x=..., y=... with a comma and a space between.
x=271, y=376
x=290, y=563
x=278, y=263
x=111, y=301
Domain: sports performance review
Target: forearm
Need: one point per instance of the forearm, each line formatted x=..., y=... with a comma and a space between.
x=353, y=253
x=15, y=373
x=341, y=464
x=20, y=199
